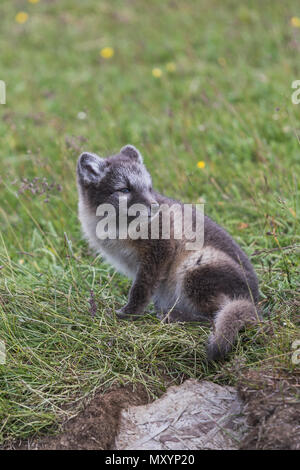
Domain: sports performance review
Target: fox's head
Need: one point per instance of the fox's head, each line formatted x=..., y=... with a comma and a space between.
x=106, y=180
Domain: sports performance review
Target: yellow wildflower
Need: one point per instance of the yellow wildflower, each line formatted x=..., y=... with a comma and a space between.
x=171, y=67
x=222, y=61
x=107, y=52
x=156, y=72
x=242, y=226
x=201, y=164
x=295, y=22
x=21, y=17
x=292, y=212
x=33, y=1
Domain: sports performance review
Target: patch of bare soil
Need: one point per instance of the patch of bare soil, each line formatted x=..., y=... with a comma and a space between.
x=272, y=406
x=95, y=427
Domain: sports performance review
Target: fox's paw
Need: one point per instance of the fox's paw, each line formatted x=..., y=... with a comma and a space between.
x=125, y=313
x=122, y=312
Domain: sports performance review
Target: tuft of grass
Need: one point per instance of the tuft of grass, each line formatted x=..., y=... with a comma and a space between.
x=59, y=351
x=226, y=101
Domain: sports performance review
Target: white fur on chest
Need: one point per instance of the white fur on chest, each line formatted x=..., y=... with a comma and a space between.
x=122, y=257
x=116, y=252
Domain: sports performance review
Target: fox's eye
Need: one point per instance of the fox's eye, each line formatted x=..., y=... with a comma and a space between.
x=124, y=190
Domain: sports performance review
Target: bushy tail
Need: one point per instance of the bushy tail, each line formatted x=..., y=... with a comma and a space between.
x=233, y=316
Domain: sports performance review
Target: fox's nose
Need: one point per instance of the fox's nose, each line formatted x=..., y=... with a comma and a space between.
x=150, y=200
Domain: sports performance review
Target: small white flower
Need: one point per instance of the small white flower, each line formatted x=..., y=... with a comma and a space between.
x=262, y=77
x=81, y=115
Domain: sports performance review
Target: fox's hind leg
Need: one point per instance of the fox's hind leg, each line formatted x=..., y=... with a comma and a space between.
x=226, y=296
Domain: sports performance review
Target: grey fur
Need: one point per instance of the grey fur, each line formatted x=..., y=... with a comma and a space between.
x=216, y=283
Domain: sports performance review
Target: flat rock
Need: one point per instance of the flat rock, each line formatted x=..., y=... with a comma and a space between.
x=191, y=416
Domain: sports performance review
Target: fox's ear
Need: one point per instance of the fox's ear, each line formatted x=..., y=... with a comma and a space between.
x=131, y=152
x=91, y=168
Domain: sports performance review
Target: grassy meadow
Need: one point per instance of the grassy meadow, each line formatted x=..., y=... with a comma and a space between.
x=203, y=90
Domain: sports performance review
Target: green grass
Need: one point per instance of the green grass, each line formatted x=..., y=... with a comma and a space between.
x=228, y=103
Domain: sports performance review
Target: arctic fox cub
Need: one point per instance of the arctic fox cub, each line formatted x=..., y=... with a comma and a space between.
x=216, y=282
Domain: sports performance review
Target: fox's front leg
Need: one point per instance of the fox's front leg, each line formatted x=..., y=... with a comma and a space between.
x=140, y=293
